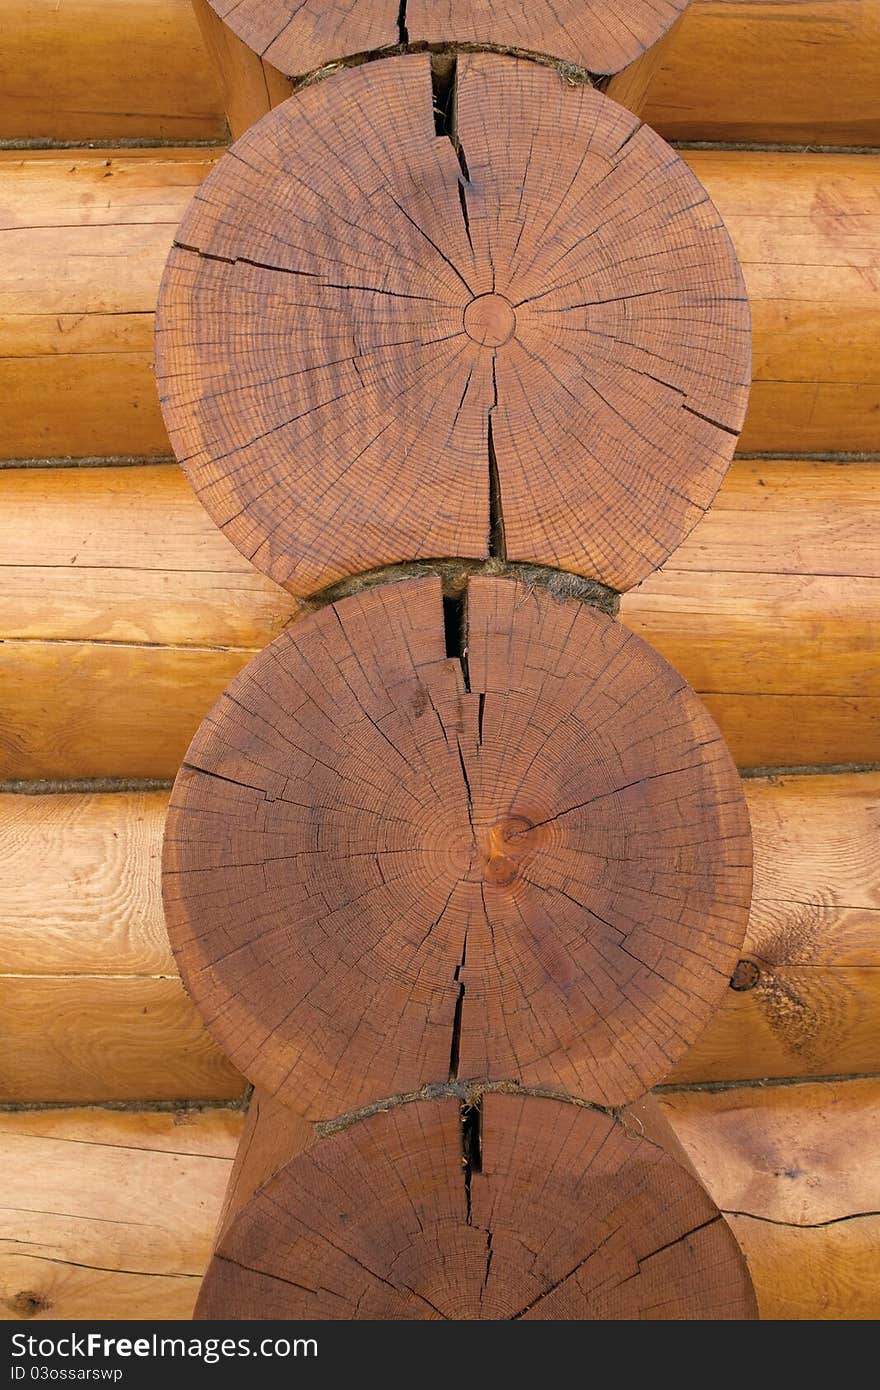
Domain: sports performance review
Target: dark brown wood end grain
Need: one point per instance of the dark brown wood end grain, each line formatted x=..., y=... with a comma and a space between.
x=375, y=343
x=522, y=1208
x=387, y=865
x=297, y=37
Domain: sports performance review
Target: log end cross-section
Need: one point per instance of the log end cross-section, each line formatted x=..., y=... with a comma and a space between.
x=546, y=1211
x=526, y=335
x=410, y=844
x=297, y=36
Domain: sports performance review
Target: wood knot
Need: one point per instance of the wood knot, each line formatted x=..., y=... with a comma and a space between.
x=745, y=976
x=490, y=320
x=503, y=848
x=27, y=1304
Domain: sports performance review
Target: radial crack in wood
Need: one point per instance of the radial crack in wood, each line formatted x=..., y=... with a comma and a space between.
x=566, y=1214
x=297, y=37
x=377, y=344
x=377, y=872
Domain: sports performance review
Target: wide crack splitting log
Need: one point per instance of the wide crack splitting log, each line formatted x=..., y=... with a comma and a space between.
x=455, y=1045
x=443, y=70
x=444, y=88
x=455, y=630
x=464, y=178
x=471, y=1117
x=497, y=545
x=497, y=542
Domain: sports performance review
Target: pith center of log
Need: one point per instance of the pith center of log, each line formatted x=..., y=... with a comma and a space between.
x=490, y=320
x=503, y=847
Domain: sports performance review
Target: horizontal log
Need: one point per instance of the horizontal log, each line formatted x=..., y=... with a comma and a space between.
x=85, y=236
x=806, y=72
x=135, y=1197
x=805, y=228
x=110, y=1214
x=83, y=242
x=79, y=886
x=88, y=985
x=790, y=1165
x=826, y=1273
x=126, y=612
x=106, y=70
x=808, y=1001
x=776, y=1153
x=108, y=709
x=85, y=1038
x=85, y=709
x=89, y=990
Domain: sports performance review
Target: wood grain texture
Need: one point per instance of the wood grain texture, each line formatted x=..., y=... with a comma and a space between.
x=530, y=861
x=84, y=1038
x=799, y=1023
x=388, y=1220
x=249, y=86
x=807, y=230
x=76, y=377
x=765, y=609
x=109, y=1214
x=371, y=350
x=103, y=709
x=127, y=555
x=794, y=1168
x=79, y=885
x=105, y=70
x=297, y=38
x=631, y=86
x=83, y=238
x=272, y=1135
x=829, y=1274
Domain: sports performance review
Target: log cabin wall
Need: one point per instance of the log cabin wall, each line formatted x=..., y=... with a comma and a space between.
x=125, y=613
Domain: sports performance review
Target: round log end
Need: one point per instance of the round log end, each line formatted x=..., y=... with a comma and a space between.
x=298, y=37
x=410, y=845
x=518, y=1207
x=376, y=343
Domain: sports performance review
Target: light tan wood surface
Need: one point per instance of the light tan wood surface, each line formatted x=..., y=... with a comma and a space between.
x=109, y=1214
x=105, y=70
x=130, y=607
